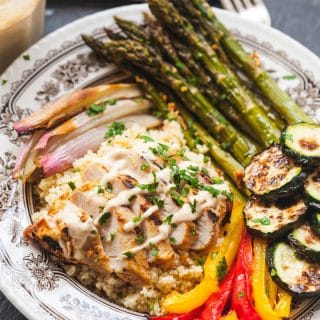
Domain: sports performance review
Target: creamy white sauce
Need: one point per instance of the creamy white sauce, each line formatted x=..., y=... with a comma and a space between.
x=129, y=226
x=78, y=230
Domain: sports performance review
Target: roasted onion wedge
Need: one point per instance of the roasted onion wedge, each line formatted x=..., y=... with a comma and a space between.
x=70, y=104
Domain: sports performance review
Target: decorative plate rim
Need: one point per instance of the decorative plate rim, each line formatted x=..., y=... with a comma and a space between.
x=9, y=292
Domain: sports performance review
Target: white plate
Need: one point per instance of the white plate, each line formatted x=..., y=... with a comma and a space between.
x=59, y=63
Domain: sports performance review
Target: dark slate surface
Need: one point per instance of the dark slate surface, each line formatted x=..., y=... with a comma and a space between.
x=297, y=18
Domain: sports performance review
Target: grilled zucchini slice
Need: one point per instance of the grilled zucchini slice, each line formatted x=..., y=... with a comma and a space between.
x=272, y=220
x=306, y=242
x=272, y=175
x=312, y=189
x=302, y=141
x=315, y=222
x=292, y=272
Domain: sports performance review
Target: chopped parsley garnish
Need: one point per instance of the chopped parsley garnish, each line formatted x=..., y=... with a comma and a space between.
x=264, y=221
x=160, y=150
x=146, y=139
x=204, y=171
x=168, y=219
x=177, y=199
x=217, y=181
x=93, y=231
x=109, y=187
x=152, y=187
x=145, y=166
x=129, y=254
x=72, y=185
x=180, y=65
x=221, y=269
x=136, y=219
x=112, y=102
x=185, y=191
x=113, y=235
x=240, y=294
x=104, y=217
x=100, y=189
x=193, y=206
x=3, y=81
x=173, y=240
x=193, y=168
x=95, y=109
x=194, y=232
x=200, y=261
x=156, y=201
x=289, y=137
x=206, y=159
x=273, y=272
x=26, y=57
x=131, y=198
x=214, y=192
x=154, y=250
x=181, y=153
x=141, y=238
x=225, y=145
x=289, y=77
x=115, y=129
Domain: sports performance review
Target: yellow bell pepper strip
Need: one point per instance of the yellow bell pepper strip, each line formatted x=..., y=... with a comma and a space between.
x=230, y=316
x=261, y=300
x=271, y=289
x=284, y=303
x=219, y=258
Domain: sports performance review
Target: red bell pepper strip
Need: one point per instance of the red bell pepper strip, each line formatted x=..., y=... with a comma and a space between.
x=241, y=300
x=217, y=302
x=192, y=315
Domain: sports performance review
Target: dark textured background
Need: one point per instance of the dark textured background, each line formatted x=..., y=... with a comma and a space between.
x=297, y=18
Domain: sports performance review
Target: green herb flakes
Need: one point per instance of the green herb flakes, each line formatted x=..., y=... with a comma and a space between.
x=168, y=219
x=176, y=198
x=289, y=77
x=26, y=57
x=95, y=109
x=115, y=129
x=154, y=250
x=222, y=269
x=173, y=240
x=141, y=238
x=145, y=166
x=100, y=189
x=264, y=221
x=3, y=81
x=104, y=217
x=240, y=294
x=72, y=185
x=112, y=102
x=129, y=254
x=146, y=139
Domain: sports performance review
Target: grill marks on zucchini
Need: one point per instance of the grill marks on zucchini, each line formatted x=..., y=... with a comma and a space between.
x=312, y=189
x=293, y=273
x=302, y=141
x=272, y=220
x=272, y=175
x=306, y=242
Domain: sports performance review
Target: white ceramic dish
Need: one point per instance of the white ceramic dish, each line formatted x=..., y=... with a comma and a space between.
x=59, y=63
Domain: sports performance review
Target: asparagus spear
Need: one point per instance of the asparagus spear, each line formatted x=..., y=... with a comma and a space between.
x=227, y=163
x=134, y=53
x=286, y=107
x=254, y=115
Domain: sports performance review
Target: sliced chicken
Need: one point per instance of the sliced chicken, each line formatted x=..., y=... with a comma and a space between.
x=133, y=269
x=207, y=229
x=184, y=235
x=71, y=235
x=163, y=255
x=89, y=201
x=93, y=173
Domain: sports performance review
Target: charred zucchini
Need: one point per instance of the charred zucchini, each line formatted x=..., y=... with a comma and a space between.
x=302, y=141
x=312, y=189
x=272, y=220
x=293, y=273
x=271, y=174
x=315, y=222
x=306, y=242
